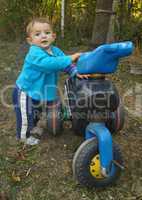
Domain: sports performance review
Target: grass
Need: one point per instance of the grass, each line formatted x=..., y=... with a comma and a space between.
x=45, y=172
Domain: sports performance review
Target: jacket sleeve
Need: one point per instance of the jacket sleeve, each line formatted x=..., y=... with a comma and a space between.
x=71, y=69
x=46, y=63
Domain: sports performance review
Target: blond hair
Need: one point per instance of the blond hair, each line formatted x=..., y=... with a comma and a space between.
x=35, y=20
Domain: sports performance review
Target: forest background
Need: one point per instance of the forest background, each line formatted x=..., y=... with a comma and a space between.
x=79, y=19
x=45, y=172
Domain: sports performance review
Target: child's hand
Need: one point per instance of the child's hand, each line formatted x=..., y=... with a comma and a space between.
x=75, y=56
x=83, y=76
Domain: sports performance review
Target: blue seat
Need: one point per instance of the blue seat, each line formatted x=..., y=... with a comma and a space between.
x=104, y=59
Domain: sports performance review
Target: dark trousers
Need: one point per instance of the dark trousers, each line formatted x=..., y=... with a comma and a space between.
x=28, y=112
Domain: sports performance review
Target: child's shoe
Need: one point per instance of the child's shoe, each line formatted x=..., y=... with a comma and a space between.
x=37, y=132
x=31, y=140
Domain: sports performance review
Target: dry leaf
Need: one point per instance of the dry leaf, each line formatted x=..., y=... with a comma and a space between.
x=15, y=178
x=20, y=156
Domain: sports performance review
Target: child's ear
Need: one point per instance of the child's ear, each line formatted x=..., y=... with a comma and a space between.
x=54, y=35
x=28, y=40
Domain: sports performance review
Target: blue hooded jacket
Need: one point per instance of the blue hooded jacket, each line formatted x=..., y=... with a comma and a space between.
x=39, y=75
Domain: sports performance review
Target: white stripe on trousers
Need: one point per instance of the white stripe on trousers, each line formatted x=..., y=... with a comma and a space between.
x=23, y=106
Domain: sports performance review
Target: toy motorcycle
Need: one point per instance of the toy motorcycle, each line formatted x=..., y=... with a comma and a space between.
x=96, y=112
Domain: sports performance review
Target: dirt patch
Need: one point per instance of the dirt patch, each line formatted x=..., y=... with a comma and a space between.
x=45, y=171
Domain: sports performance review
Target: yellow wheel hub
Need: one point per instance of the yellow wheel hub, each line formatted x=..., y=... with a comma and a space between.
x=95, y=167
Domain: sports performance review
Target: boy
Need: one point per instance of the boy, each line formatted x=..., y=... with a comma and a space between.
x=37, y=82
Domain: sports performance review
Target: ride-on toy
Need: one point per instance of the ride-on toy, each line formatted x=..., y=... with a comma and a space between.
x=96, y=112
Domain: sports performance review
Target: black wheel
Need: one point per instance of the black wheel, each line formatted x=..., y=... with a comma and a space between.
x=86, y=165
x=55, y=120
x=116, y=120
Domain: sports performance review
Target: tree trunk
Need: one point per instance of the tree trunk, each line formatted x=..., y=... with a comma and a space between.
x=102, y=20
x=110, y=34
x=122, y=16
x=62, y=17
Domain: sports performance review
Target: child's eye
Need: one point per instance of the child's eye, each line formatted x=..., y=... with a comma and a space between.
x=48, y=32
x=37, y=34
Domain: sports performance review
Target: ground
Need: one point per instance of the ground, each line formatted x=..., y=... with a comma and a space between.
x=45, y=172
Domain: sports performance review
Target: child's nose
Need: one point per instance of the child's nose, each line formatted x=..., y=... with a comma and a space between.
x=43, y=35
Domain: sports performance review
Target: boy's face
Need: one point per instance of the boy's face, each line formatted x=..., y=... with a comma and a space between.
x=41, y=35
